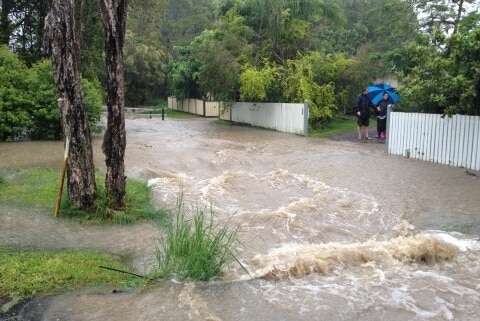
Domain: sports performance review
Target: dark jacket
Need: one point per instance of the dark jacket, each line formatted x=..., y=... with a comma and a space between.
x=362, y=105
x=383, y=104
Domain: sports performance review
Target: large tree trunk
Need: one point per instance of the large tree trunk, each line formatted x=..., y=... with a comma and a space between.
x=114, y=16
x=60, y=41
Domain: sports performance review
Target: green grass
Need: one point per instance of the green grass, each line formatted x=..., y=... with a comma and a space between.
x=195, y=249
x=25, y=274
x=38, y=188
x=339, y=125
x=33, y=187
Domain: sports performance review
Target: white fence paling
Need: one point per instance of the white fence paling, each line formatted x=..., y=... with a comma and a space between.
x=452, y=140
x=196, y=106
x=284, y=117
x=289, y=118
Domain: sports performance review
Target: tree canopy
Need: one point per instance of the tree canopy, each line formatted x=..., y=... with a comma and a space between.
x=271, y=50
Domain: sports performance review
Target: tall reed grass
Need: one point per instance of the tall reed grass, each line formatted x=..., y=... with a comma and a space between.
x=196, y=248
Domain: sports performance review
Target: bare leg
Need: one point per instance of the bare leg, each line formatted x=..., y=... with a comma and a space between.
x=359, y=132
x=366, y=132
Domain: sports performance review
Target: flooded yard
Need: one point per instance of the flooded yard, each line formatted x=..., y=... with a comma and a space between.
x=330, y=229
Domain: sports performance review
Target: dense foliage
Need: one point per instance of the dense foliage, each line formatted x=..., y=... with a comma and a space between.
x=28, y=101
x=322, y=51
x=443, y=74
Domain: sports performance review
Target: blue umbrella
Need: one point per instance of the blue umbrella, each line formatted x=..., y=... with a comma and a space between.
x=376, y=92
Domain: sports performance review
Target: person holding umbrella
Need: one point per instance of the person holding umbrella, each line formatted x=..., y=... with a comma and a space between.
x=381, y=95
x=362, y=107
x=382, y=116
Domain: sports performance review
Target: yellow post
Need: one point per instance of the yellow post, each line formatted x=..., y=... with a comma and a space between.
x=64, y=167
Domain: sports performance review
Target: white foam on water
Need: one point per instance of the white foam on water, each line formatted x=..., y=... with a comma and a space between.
x=460, y=242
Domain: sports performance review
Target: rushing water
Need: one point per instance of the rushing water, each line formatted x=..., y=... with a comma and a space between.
x=330, y=230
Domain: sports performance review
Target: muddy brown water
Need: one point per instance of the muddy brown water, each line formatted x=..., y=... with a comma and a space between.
x=330, y=229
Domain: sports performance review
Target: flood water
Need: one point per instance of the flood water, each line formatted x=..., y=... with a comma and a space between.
x=330, y=230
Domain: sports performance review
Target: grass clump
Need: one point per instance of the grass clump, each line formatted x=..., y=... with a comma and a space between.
x=195, y=249
x=27, y=273
x=38, y=188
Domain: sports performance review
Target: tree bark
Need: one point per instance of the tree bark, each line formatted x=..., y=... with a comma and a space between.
x=114, y=17
x=60, y=42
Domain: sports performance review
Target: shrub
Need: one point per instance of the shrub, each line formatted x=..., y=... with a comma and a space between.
x=93, y=102
x=14, y=101
x=28, y=100
x=44, y=110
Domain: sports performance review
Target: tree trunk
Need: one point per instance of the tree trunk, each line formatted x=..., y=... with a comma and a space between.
x=114, y=16
x=60, y=42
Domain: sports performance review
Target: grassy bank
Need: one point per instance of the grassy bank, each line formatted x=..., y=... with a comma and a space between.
x=37, y=188
x=27, y=273
x=339, y=125
x=24, y=274
x=195, y=249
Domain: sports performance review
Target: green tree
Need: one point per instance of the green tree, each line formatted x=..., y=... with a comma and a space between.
x=144, y=54
x=144, y=72
x=255, y=83
x=44, y=109
x=21, y=27
x=184, y=75
x=28, y=103
x=300, y=84
x=445, y=15
x=286, y=27
x=89, y=35
x=442, y=74
x=182, y=20
x=14, y=103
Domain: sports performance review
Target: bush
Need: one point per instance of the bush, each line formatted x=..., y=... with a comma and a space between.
x=196, y=249
x=93, y=102
x=14, y=101
x=44, y=110
x=28, y=100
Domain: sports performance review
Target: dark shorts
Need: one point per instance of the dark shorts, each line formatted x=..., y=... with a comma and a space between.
x=363, y=120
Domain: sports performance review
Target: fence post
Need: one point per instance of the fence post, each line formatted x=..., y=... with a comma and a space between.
x=305, y=118
x=387, y=140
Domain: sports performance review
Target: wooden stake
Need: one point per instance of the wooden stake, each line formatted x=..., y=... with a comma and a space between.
x=64, y=167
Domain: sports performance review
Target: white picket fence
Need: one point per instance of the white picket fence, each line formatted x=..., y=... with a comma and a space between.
x=452, y=140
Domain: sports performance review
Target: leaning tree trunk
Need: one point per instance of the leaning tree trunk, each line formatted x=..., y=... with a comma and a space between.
x=114, y=16
x=60, y=42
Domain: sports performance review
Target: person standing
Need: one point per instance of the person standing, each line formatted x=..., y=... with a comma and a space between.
x=362, y=107
x=382, y=116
